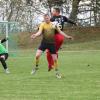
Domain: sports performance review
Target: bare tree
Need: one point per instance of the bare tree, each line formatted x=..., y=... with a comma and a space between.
x=74, y=12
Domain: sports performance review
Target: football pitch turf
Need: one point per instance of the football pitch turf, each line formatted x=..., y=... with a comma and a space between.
x=80, y=70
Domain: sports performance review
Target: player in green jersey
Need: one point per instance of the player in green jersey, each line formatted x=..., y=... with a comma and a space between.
x=4, y=55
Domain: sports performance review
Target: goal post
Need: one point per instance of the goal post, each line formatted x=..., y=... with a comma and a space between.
x=7, y=35
x=5, y=30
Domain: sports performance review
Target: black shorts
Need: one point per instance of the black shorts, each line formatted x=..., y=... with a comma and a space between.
x=4, y=54
x=50, y=46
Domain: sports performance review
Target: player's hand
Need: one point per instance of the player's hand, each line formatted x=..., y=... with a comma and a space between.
x=70, y=37
x=33, y=36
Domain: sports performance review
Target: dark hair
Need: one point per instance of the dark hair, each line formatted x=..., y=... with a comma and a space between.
x=57, y=10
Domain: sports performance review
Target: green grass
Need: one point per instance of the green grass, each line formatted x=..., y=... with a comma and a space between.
x=88, y=45
x=79, y=82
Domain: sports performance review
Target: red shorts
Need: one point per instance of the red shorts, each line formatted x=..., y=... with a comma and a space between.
x=59, y=38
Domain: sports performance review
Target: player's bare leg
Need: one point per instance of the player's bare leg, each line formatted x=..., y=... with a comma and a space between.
x=35, y=68
x=54, y=56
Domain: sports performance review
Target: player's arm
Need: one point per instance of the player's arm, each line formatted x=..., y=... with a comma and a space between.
x=4, y=40
x=65, y=35
x=69, y=21
x=33, y=36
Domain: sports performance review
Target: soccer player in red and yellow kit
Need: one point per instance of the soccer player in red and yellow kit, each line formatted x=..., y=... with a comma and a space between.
x=59, y=38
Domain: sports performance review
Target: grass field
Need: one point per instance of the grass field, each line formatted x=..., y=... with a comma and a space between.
x=81, y=78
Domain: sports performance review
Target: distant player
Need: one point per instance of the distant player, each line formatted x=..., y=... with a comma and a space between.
x=47, y=29
x=59, y=38
x=3, y=55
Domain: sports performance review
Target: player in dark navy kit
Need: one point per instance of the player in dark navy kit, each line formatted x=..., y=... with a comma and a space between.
x=57, y=18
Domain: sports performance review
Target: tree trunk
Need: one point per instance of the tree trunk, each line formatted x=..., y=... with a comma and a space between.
x=11, y=12
x=73, y=15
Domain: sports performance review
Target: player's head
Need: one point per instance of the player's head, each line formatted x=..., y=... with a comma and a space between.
x=46, y=18
x=56, y=12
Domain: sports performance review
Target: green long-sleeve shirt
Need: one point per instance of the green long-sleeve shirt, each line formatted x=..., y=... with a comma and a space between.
x=2, y=49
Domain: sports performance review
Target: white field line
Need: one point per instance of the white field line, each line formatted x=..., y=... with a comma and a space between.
x=80, y=51
x=59, y=51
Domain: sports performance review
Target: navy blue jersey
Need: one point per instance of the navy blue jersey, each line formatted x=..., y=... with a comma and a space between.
x=61, y=20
